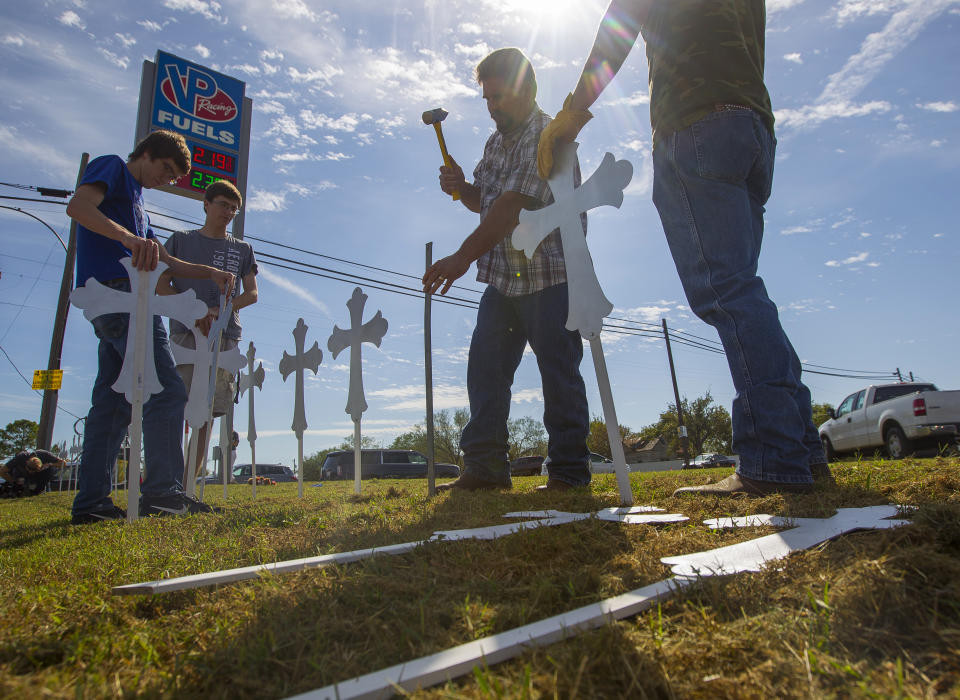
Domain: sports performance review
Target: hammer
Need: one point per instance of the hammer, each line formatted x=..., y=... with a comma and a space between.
x=435, y=116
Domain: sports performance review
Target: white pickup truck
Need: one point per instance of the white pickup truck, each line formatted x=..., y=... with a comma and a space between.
x=896, y=417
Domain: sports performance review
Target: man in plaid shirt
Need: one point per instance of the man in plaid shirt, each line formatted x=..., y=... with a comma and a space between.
x=525, y=300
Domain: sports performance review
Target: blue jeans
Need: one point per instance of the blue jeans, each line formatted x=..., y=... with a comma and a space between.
x=504, y=326
x=109, y=418
x=711, y=181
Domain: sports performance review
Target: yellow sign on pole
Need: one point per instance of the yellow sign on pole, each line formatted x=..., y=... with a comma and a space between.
x=47, y=378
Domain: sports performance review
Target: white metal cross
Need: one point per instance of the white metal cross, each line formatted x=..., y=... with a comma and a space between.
x=359, y=333
x=137, y=379
x=296, y=364
x=248, y=382
x=587, y=303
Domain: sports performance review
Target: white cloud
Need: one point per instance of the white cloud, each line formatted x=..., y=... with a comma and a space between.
x=634, y=100
x=779, y=5
x=49, y=158
x=208, y=10
x=793, y=230
x=852, y=260
x=319, y=75
x=474, y=52
x=202, y=51
x=14, y=39
x=71, y=19
x=267, y=201
x=271, y=55
x=412, y=397
x=125, y=39
x=295, y=289
x=812, y=115
x=119, y=61
x=150, y=25
x=793, y=58
x=939, y=106
x=470, y=28
x=318, y=120
x=909, y=18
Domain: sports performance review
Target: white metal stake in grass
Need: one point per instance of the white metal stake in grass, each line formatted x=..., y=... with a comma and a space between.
x=253, y=379
x=297, y=363
x=137, y=380
x=587, y=303
x=370, y=332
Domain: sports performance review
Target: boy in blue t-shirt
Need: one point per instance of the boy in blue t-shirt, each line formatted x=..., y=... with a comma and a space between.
x=108, y=206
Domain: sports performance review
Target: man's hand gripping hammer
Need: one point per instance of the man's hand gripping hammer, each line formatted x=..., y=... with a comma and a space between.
x=435, y=116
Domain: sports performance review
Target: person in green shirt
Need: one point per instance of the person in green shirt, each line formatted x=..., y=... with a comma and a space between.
x=713, y=156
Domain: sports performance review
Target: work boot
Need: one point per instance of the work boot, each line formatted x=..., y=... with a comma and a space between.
x=469, y=482
x=736, y=485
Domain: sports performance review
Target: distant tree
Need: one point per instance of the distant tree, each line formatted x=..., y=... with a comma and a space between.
x=18, y=436
x=446, y=436
x=820, y=415
x=526, y=436
x=366, y=443
x=709, y=428
x=597, y=439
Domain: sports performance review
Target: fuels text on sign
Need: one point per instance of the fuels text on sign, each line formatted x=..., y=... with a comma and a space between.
x=206, y=107
x=47, y=378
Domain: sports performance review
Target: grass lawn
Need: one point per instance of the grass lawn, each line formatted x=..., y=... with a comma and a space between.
x=871, y=614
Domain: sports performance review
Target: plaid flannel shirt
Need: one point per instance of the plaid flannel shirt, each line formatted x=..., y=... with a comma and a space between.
x=509, y=164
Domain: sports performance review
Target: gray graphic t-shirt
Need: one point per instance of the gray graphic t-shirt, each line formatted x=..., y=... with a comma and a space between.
x=222, y=253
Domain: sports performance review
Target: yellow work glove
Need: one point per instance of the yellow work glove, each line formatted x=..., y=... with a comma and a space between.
x=563, y=129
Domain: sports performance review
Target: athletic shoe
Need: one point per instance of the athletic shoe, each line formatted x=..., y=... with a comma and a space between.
x=98, y=516
x=174, y=504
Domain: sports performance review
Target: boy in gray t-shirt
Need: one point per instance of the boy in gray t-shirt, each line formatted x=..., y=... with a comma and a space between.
x=212, y=245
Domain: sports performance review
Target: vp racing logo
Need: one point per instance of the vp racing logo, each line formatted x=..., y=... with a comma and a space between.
x=197, y=94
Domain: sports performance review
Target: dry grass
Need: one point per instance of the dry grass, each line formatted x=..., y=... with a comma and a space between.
x=872, y=614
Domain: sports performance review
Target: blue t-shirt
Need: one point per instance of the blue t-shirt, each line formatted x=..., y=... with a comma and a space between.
x=99, y=256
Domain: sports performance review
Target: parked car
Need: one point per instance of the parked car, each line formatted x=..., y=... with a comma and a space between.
x=384, y=464
x=711, y=461
x=526, y=466
x=276, y=472
x=897, y=417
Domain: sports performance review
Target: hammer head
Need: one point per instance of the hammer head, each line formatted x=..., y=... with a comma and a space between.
x=434, y=116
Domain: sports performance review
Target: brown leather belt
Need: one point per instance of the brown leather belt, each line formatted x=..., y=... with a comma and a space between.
x=729, y=107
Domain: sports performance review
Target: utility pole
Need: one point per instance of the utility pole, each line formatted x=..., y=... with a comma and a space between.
x=48, y=409
x=681, y=428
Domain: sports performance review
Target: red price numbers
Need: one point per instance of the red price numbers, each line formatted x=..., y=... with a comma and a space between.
x=213, y=159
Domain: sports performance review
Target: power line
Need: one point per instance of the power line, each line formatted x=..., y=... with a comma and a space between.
x=30, y=384
x=635, y=328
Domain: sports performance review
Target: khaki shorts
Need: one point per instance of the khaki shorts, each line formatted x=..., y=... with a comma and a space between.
x=226, y=388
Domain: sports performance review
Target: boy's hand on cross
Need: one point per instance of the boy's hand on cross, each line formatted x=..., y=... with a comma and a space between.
x=204, y=323
x=144, y=252
x=223, y=279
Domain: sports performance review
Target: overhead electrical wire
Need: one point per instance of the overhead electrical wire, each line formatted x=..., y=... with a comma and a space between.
x=634, y=328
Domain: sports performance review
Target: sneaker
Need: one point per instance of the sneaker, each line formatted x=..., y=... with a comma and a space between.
x=174, y=504
x=469, y=482
x=97, y=516
x=737, y=485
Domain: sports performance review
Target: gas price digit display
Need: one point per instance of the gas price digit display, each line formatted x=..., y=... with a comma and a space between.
x=214, y=159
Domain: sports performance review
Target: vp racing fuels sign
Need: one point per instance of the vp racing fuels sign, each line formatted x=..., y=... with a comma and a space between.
x=207, y=108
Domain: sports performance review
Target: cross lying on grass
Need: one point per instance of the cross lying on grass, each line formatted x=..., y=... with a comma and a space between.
x=752, y=555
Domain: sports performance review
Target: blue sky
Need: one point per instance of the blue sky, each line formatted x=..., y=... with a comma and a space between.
x=860, y=255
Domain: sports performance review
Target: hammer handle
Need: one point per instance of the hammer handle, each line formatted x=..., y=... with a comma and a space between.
x=446, y=157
